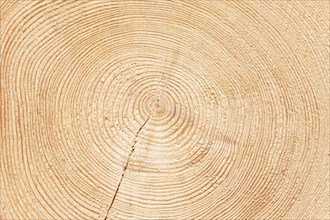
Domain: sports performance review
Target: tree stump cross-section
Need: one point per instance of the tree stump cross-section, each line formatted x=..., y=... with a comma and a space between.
x=211, y=109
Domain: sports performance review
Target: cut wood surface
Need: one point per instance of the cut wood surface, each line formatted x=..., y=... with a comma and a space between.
x=165, y=109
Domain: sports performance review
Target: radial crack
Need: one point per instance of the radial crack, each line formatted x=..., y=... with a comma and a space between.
x=125, y=167
x=161, y=79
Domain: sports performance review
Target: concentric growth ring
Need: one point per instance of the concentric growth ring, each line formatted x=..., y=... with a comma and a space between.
x=164, y=110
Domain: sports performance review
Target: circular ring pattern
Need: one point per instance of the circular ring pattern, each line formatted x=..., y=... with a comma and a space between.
x=164, y=110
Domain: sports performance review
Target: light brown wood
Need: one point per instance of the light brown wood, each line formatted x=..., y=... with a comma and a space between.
x=165, y=109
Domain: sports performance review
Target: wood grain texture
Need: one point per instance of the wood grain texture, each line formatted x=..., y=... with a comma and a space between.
x=165, y=109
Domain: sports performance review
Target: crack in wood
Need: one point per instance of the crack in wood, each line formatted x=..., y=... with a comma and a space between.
x=161, y=79
x=125, y=167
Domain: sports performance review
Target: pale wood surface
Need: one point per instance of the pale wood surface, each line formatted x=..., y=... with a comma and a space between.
x=164, y=109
